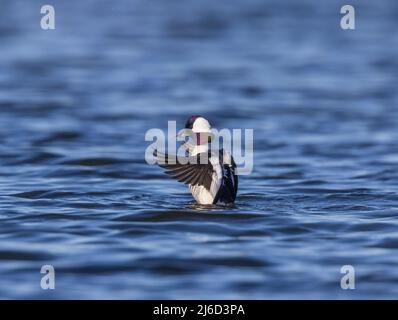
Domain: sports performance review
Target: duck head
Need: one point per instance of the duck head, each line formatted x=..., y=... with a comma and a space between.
x=198, y=128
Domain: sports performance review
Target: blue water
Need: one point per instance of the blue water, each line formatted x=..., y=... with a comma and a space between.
x=76, y=193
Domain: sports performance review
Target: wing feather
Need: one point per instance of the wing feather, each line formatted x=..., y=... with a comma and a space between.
x=188, y=170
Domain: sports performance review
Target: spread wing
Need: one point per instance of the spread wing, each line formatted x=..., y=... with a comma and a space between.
x=193, y=170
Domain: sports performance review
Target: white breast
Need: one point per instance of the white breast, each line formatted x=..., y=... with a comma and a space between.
x=200, y=193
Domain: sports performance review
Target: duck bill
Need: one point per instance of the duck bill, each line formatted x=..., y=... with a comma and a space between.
x=184, y=133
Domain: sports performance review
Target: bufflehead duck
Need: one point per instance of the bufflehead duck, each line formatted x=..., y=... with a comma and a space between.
x=210, y=174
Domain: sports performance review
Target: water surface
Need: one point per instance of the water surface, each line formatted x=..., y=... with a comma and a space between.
x=76, y=193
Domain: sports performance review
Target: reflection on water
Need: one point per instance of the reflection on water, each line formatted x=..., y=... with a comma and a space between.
x=76, y=193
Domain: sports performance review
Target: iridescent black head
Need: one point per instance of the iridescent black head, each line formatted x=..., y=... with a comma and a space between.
x=190, y=121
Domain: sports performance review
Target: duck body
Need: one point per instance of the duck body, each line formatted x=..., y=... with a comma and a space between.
x=210, y=174
x=224, y=181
